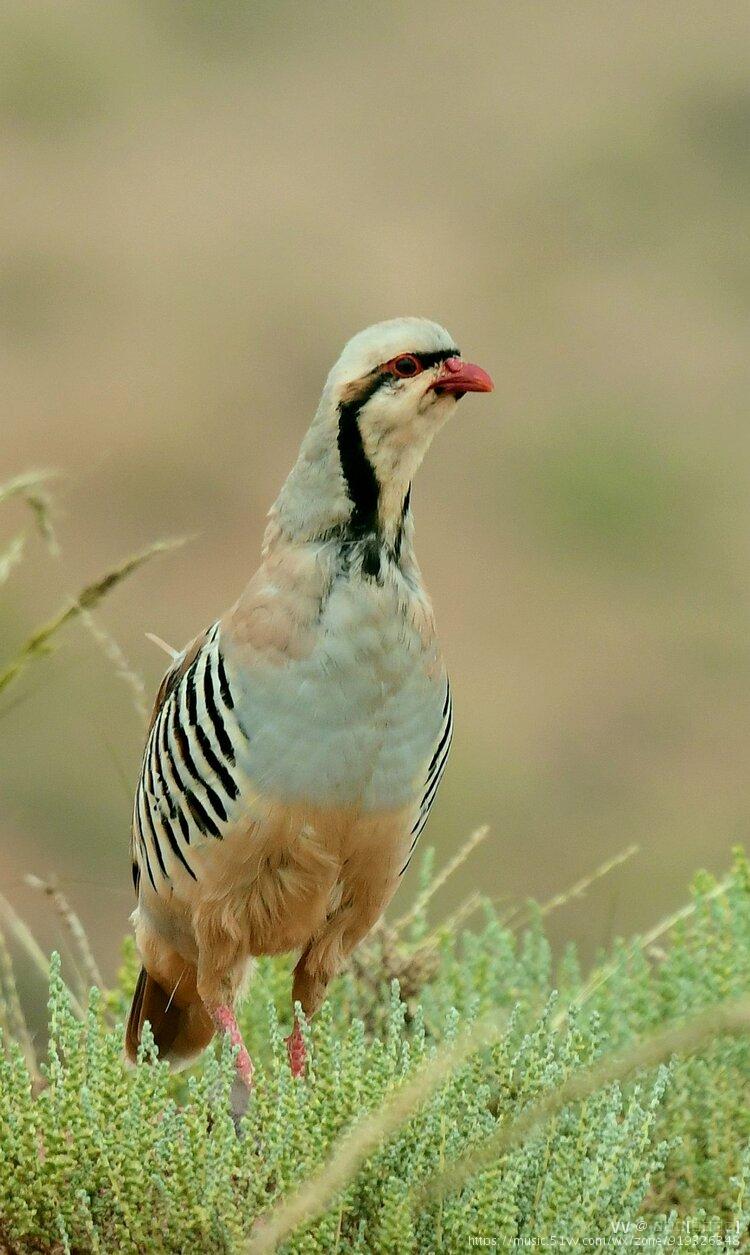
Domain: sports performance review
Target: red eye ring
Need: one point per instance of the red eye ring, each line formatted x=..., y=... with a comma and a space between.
x=405, y=366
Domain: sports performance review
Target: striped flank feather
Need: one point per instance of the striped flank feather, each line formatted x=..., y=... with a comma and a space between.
x=435, y=772
x=188, y=789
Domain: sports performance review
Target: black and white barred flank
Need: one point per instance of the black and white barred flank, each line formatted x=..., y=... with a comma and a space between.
x=188, y=786
x=188, y=789
x=434, y=772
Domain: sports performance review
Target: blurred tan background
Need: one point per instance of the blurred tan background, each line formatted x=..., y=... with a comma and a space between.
x=202, y=200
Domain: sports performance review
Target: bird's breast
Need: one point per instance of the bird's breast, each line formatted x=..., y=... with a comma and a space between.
x=354, y=721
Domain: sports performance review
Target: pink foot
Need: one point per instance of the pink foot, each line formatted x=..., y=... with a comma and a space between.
x=226, y=1022
x=295, y=1045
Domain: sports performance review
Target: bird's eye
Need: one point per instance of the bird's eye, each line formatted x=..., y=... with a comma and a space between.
x=406, y=366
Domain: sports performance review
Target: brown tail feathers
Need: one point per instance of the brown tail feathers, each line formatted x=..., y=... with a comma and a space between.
x=181, y=1026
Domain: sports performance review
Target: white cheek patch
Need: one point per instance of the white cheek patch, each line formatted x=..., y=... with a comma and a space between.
x=397, y=426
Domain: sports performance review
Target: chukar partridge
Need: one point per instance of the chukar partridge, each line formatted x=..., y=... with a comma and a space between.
x=296, y=746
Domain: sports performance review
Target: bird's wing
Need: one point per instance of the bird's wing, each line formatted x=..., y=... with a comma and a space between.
x=434, y=772
x=188, y=791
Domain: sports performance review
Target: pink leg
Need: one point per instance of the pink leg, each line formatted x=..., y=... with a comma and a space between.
x=226, y=1022
x=295, y=1045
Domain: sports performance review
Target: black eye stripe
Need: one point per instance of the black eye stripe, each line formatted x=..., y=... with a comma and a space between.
x=432, y=359
x=426, y=360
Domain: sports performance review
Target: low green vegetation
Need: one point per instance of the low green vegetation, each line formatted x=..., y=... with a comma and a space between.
x=462, y=1086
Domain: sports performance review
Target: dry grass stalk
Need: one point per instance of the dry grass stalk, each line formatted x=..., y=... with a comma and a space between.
x=438, y=881
x=645, y=942
x=29, y=487
x=475, y=900
x=25, y=939
x=22, y=485
x=5, y=1028
x=10, y=557
x=684, y=1038
x=314, y=1195
x=74, y=927
x=39, y=643
x=576, y=890
x=13, y=1012
x=453, y=922
x=114, y=652
x=161, y=644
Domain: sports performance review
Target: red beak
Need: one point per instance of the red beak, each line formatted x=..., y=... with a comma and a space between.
x=458, y=377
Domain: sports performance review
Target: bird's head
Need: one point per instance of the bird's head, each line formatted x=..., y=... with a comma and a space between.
x=390, y=391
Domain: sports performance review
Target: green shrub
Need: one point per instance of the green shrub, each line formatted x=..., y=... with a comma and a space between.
x=653, y=1148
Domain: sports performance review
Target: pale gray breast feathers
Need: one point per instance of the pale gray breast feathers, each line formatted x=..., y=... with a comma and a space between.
x=359, y=722
x=353, y=723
